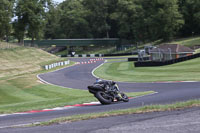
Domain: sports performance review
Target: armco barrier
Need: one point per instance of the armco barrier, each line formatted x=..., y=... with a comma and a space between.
x=163, y=63
x=136, y=58
x=122, y=54
x=53, y=65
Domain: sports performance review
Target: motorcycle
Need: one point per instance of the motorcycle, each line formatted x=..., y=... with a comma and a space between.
x=107, y=92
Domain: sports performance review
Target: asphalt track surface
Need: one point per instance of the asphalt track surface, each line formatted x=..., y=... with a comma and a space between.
x=79, y=77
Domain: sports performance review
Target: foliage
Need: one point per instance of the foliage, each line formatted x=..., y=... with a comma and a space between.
x=162, y=19
x=5, y=17
x=73, y=22
x=52, y=29
x=135, y=20
x=129, y=15
x=99, y=17
x=30, y=18
x=191, y=14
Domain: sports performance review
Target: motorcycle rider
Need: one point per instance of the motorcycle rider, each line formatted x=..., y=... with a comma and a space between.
x=107, y=84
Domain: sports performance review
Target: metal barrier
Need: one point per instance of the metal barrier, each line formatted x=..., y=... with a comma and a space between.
x=53, y=65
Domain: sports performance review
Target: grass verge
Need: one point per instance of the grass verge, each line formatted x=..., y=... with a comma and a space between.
x=20, y=89
x=116, y=60
x=125, y=71
x=145, y=109
x=190, y=42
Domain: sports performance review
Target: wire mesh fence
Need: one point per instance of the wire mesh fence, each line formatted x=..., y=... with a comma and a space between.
x=5, y=45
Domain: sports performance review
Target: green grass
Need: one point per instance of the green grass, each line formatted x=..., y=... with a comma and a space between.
x=192, y=41
x=23, y=60
x=15, y=97
x=115, y=60
x=125, y=71
x=20, y=90
x=25, y=93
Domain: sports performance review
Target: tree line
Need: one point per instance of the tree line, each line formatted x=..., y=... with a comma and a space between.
x=136, y=20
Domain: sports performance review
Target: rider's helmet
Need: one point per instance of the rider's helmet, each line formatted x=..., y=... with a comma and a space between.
x=98, y=80
x=112, y=82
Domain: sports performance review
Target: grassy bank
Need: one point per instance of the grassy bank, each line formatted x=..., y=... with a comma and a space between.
x=125, y=71
x=190, y=42
x=20, y=90
x=23, y=60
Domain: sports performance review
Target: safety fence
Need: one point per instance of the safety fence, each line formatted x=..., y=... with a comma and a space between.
x=5, y=45
x=57, y=64
x=163, y=63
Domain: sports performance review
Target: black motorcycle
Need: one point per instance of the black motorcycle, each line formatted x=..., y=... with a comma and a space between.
x=107, y=92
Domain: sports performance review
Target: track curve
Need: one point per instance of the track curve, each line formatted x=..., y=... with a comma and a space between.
x=79, y=77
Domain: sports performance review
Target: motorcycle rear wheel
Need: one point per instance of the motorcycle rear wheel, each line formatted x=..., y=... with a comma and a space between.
x=103, y=98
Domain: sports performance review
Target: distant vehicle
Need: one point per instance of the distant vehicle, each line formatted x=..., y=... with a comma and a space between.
x=107, y=92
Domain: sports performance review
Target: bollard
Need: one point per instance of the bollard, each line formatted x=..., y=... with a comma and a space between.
x=49, y=66
x=46, y=67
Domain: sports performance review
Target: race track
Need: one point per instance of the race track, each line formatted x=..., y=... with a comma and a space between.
x=79, y=77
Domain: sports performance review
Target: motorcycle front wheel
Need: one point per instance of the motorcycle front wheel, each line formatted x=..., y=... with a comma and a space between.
x=103, y=97
x=124, y=97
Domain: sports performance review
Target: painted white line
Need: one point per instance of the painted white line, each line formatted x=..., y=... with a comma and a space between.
x=19, y=125
x=51, y=72
x=145, y=95
x=4, y=115
x=96, y=69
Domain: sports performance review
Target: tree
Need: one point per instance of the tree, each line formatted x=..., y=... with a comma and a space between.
x=30, y=18
x=191, y=14
x=147, y=20
x=73, y=22
x=162, y=18
x=97, y=17
x=53, y=29
x=128, y=16
x=5, y=17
